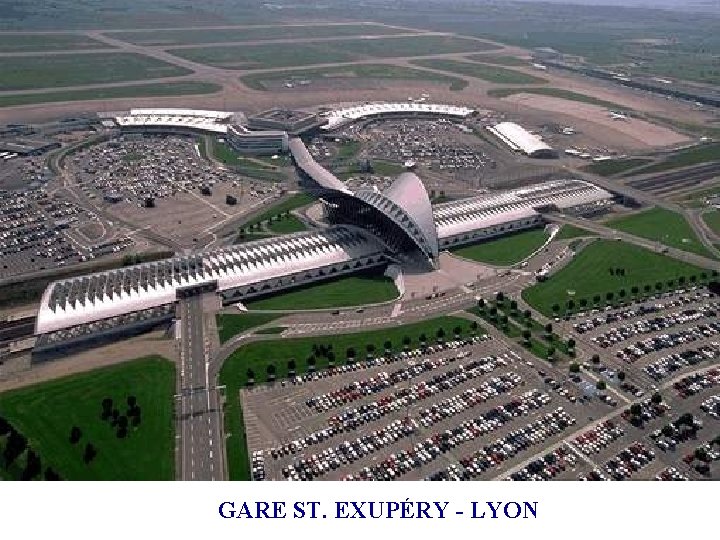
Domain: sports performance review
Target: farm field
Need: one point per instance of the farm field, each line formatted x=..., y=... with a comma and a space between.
x=200, y=36
x=593, y=273
x=15, y=43
x=341, y=292
x=506, y=250
x=46, y=413
x=554, y=92
x=668, y=228
x=261, y=81
x=259, y=355
x=275, y=55
x=30, y=72
x=493, y=74
x=141, y=90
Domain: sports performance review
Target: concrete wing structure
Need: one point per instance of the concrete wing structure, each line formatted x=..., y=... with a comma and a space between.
x=312, y=170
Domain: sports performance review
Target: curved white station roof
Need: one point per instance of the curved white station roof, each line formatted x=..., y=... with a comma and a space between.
x=210, y=121
x=87, y=299
x=466, y=215
x=518, y=138
x=340, y=117
x=309, y=166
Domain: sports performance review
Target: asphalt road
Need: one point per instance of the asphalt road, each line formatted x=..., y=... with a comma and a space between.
x=199, y=415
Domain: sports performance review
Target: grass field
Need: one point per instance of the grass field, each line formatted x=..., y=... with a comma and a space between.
x=493, y=74
x=569, y=232
x=554, y=92
x=141, y=90
x=29, y=72
x=272, y=55
x=230, y=325
x=500, y=60
x=712, y=219
x=589, y=274
x=343, y=291
x=199, y=36
x=15, y=43
x=259, y=81
x=291, y=203
x=45, y=414
x=615, y=166
x=668, y=228
x=506, y=250
x=257, y=356
x=684, y=158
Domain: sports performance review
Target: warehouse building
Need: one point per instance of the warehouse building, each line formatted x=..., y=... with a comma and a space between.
x=519, y=139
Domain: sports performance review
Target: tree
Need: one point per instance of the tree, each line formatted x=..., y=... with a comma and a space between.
x=570, y=304
x=504, y=321
x=51, y=475
x=551, y=352
x=331, y=358
x=75, y=435
x=596, y=299
x=574, y=367
x=33, y=467
x=14, y=446
x=292, y=366
x=250, y=376
x=571, y=343
x=423, y=339
x=548, y=328
x=493, y=312
x=481, y=303
x=635, y=409
x=595, y=358
x=681, y=280
x=5, y=426
x=387, y=345
x=474, y=326
x=556, y=308
x=406, y=342
x=600, y=385
x=440, y=334
x=656, y=398
x=107, y=405
x=621, y=375
x=527, y=314
x=701, y=454
x=311, y=362
x=271, y=372
x=634, y=290
x=370, y=348
x=583, y=303
x=609, y=296
x=350, y=354
x=500, y=297
x=667, y=431
x=526, y=336
x=90, y=453
x=658, y=286
x=131, y=401
x=457, y=331
x=693, y=278
x=647, y=288
x=622, y=293
x=513, y=305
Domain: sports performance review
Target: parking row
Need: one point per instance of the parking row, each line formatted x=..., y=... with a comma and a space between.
x=505, y=448
x=663, y=367
x=639, y=349
x=548, y=466
x=697, y=382
x=623, y=466
x=600, y=437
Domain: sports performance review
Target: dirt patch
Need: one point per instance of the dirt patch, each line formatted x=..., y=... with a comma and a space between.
x=641, y=131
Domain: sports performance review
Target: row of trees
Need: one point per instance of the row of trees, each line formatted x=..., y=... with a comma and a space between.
x=258, y=225
x=15, y=445
x=122, y=422
x=572, y=305
x=351, y=353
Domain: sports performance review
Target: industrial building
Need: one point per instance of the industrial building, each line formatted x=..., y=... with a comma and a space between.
x=519, y=139
x=293, y=122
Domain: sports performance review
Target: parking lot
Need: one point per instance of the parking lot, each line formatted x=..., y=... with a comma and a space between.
x=412, y=418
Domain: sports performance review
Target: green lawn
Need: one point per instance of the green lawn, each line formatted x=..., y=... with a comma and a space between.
x=140, y=90
x=409, y=46
x=287, y=225
x=230, y=325
x=260, y=81
x=29, y=72
x=494, y=74
x=199, y=36
x=554, y=92
x=506, y=250
x=498, y=59
x=341, y=292
x=615, y=166
x=258, y=355
x=712, y=219
x=46, y=412
x=589, y=274
x=568, y=232
x=12, y=43
x=291, y=203
x=668, y=228
x=692, y=156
